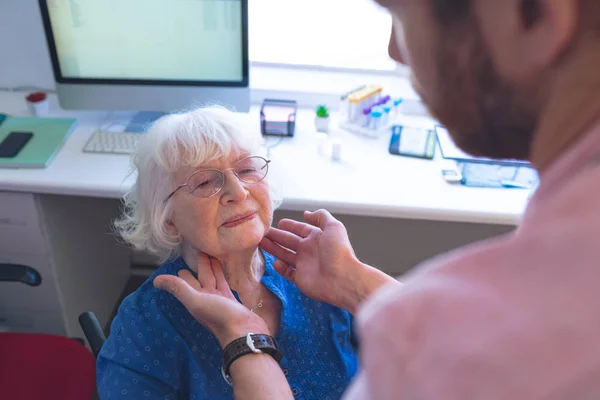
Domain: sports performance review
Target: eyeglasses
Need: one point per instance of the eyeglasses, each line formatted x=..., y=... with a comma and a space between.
x=208, y=182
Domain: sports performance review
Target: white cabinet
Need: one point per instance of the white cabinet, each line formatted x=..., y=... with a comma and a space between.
x=20, y=231
x=19, y=296
x=25, y=308
x=67, y=240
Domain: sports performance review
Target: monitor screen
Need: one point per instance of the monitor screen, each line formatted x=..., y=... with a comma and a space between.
x=149, y=41
x=451, y=151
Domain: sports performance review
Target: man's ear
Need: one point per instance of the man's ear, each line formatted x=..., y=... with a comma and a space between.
x=549, y=27
x=394, y=45
x=525, y=37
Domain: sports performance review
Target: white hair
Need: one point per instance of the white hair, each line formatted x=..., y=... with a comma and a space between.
x=175, y=141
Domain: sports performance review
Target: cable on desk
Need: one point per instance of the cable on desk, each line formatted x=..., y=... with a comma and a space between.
x=271, y=147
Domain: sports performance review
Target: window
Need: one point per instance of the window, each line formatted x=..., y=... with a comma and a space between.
x=326, y=33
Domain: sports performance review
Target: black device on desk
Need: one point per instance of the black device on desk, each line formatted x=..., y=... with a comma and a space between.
x=14, y=143
x=278, y=117
x=412, y=142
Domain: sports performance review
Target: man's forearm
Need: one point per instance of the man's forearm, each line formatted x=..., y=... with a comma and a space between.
x=259, y=377
x=365, y=282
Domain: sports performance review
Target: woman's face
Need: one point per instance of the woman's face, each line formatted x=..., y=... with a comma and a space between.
x=235, y=219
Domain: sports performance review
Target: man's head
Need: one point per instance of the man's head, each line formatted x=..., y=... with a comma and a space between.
x=486, y=67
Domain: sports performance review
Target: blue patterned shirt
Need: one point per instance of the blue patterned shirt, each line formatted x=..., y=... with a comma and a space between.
x=157, y=350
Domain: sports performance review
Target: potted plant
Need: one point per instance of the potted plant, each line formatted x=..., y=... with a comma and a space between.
x=322, y=119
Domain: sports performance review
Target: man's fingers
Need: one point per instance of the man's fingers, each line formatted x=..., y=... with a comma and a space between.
x=217, y=269
x=178, y=288
x=285, y=270
x=277, y=251
x=284, y=238
x=205, y=274
x=297, y=228
x=319, y=218
x=189, y=278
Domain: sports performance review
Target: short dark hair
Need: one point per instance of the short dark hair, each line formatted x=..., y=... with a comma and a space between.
x=451, y=10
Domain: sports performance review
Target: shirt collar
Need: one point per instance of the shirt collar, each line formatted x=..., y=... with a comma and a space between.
x=271, y=279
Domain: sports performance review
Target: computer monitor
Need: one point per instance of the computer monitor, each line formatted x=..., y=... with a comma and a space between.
x=148, y=55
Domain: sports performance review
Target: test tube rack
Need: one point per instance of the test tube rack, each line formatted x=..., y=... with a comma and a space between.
x=366, y=112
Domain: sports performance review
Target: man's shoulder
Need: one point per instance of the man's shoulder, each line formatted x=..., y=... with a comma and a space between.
x=483, y=310
x=442, y=289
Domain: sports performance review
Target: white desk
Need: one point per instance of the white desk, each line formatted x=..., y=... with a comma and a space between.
x=369, y=181
x=53, y=218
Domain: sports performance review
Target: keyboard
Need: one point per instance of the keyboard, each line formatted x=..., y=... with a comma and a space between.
x=112, y=142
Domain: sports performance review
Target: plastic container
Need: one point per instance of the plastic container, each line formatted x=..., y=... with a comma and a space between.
x=376, y=119
x=38, y=103
x=397, y=103
x=366, y=118
x=387, y=113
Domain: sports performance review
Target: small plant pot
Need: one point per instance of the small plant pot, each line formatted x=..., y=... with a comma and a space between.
x=322, y=124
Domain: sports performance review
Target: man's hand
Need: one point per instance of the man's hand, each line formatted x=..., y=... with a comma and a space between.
x=318, y=257
x=211, y=302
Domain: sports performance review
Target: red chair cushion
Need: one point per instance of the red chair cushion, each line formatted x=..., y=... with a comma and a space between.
x=37, y=366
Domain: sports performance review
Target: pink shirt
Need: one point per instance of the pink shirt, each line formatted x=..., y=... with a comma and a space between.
x=514, y=317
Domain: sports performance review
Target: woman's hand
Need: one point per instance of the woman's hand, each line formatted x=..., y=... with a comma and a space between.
x=318, y=257
x=211, y=302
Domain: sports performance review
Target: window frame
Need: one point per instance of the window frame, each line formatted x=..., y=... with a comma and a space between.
x=328, y=83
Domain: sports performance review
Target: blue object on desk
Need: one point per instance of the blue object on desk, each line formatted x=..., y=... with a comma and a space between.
x=49, y=134
x=142, y=120
x=412, y=142
x=498, y=176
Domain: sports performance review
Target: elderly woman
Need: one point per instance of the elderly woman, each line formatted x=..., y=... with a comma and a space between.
x=202, y=204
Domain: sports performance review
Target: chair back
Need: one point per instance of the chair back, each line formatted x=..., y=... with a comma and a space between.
x=93, y=331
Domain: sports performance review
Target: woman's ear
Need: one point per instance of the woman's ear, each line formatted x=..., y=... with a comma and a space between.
x=171, y=228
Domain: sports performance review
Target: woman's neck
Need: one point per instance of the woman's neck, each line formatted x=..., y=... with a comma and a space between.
x=243, y=270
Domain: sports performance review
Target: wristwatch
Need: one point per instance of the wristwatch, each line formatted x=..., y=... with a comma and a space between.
x=250, y=344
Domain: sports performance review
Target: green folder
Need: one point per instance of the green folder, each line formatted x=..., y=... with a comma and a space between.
x=49, y=134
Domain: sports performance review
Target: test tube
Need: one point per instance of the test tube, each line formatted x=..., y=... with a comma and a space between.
x=375, y=122
x=387, y=110
x=397, y=103
x=366, y=117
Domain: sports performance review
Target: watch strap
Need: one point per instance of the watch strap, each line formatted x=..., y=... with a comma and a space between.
x=249, y=344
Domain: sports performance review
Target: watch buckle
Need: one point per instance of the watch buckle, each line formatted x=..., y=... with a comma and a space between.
x=226, y=377
x=250, y=344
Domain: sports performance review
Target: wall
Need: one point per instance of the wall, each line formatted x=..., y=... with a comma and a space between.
x=24, y=59
x=25, y=64
x=397, y=245
x=390, y=244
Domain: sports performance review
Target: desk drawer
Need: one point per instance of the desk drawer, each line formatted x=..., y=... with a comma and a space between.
x=37, y=321
x=20, y=231
x=16, y=296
